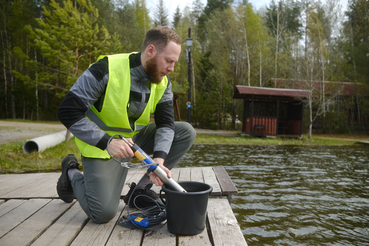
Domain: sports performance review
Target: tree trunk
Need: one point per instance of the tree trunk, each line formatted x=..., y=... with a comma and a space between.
x=260, y=71
x=276, y=51
x=352, y=49
x=193, y=85
x=248, y=56
x=12, y=99
x=247, y=51
x=306, y=27
x=233, y=124
x=24, y=109
x=310, y=114
x=321, y=45
x=36, y=87
x=5, y=78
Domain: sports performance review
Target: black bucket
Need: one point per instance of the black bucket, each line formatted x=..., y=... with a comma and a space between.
x=186, y=212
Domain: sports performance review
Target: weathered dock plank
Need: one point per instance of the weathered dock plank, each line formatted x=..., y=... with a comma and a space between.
x=226, y=184
x=125, y=237
x=20, y=213
x=224, y=226
x=185, y=174
x=159, y=237
x=97, y=234
x=33, y=227
x=15, y=182
x=32, y=214
x=211, y=179
x=10, y=205
x=133, y=176
x=199, y=239
x=65, y=229
x=196, y=174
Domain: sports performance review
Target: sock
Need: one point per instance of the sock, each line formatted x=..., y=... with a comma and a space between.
x=72, y=172
x=144, y=181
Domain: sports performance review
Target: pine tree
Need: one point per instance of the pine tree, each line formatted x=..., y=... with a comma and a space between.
x=197, y=9
x=14, y=94
x=176, y=18
x=128, y=27
x=357, y=32
x=69, y=39
x=143, y=18
x=161, y=15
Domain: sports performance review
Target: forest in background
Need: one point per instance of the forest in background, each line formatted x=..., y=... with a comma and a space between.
x=47, y=44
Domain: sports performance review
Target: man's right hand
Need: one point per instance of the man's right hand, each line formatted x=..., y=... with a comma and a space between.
x=119, y=149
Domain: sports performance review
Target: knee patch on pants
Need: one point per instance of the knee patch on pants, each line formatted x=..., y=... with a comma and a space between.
x=103, y=216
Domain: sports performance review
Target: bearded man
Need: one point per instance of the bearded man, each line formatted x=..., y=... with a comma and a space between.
x=117, y=95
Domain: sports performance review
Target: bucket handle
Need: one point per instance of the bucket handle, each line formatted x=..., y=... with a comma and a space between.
x=161, y=197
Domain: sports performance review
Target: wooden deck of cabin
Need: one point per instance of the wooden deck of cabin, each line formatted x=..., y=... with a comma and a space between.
x=31, y=213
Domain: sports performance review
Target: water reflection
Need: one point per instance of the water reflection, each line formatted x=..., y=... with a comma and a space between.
x=295, y=195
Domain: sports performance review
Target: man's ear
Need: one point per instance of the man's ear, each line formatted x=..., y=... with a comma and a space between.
x=151, y=50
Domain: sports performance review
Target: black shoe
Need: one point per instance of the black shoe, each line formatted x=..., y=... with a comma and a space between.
x=148, y=198
x=64, y=186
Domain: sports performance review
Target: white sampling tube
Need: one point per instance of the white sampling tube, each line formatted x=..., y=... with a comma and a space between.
x=41, y=143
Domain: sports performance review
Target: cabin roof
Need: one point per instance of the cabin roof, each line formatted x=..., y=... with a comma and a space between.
x=242, y=92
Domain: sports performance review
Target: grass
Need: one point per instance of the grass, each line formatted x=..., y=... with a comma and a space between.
x=14, y=160
x=315, y=140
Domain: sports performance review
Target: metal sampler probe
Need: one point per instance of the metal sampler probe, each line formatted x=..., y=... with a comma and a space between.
x=147, y=161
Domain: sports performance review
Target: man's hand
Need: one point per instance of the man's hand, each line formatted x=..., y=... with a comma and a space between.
x=155, y=179
x=119, y=149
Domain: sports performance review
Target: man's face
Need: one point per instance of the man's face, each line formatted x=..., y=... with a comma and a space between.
x=162, y=63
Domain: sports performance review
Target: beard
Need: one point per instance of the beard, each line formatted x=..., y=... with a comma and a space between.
x=152, y=70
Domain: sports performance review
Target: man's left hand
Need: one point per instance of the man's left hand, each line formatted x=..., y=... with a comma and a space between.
x=155, y=179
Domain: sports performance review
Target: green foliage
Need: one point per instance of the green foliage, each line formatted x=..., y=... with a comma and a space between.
x=70, y=40
x=335, y=123
x=211, y=7
x=46, y=45
x=289, y=16
x=215, y=5
x=356, y=34
x=161, y=16
x=143, y=19
x=14, y=160
x=176, y=18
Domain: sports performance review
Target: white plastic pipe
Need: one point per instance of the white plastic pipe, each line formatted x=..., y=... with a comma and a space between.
x=41, y=143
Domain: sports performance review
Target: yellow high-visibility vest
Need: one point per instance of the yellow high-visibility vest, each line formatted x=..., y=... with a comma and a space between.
x=113, y=117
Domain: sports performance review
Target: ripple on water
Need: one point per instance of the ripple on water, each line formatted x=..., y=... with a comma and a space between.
x=295, y=195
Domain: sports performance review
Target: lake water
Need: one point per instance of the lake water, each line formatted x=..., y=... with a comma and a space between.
x=295, y=195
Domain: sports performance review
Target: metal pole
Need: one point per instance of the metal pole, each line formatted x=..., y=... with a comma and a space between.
x=189, y=81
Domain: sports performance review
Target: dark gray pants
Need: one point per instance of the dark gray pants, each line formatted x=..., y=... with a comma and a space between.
x=99, y=188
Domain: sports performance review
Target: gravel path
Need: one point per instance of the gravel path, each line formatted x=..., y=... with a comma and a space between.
x=11, y=131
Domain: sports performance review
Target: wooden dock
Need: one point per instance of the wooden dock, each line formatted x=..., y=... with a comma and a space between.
x=31, y=213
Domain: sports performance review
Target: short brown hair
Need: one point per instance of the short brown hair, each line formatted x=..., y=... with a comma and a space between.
x=160, y=36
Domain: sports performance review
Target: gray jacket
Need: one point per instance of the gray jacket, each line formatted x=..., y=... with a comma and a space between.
x=89, y=90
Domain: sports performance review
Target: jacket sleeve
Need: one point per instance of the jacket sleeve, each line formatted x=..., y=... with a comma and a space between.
x=164, y=120
x=89, y=87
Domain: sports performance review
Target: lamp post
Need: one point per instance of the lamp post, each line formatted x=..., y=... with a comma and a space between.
x=189, y=45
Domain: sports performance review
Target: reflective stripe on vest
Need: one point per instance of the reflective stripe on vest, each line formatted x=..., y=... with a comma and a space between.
x=113, y=117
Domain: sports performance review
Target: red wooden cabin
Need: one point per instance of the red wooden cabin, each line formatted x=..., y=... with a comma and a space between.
x=271, y=111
